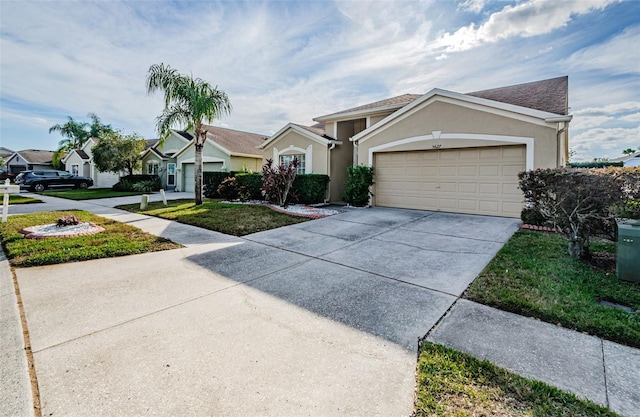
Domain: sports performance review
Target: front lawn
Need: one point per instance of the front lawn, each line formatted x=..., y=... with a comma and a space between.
x=89, y=194
x=451, y=383
x=533, y=275
x=118, y=239
x=232, y=219
x=21, y=199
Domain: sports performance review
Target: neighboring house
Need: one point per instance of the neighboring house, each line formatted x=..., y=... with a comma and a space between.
x=225, y=150
x=631, y=160
x=80, y=162
x=5, y=153
x=29, y=159
x=439, y=151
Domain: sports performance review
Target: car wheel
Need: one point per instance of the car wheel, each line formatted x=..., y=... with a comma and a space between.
x=39, y=188
x=83, y=185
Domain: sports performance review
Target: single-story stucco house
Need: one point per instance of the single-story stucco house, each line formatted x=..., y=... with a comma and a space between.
x=29, y=159
x=441, y=150
x=80, y=162
x=225, y=150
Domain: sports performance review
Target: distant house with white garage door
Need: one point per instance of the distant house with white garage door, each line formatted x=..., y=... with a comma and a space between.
x=441, y=150
x=80, y=162
x=224, y=150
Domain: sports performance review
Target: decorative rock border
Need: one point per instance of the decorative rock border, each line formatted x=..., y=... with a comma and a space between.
x=537, y=228
x=52, y=231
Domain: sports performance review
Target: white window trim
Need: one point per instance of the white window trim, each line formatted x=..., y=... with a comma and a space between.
x=440, y=137
x=308, y=155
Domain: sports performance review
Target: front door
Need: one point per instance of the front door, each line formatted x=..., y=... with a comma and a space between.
x=171, y=175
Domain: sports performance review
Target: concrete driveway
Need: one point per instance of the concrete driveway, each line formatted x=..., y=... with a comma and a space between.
x=320, y=318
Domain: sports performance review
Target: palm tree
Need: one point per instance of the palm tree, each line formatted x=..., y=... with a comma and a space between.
x=188, y=102
x=75, y=134
x=629, y=151
x=96, y=128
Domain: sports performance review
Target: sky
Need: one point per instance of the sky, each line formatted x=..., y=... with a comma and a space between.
x=291, y=61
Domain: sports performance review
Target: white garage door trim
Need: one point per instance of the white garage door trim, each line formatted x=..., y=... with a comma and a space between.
x=436, y=135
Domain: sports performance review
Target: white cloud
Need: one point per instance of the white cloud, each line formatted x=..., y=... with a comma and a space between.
x=474, y=6
x=604, y=142
x=619, y=55
x=529, y=18
x=632, y=118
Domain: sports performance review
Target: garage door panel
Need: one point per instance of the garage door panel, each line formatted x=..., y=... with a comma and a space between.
x=470, y=180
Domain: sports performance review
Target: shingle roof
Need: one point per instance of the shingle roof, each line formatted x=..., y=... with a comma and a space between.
x=389, y=103
x=82, y=154
x=36, y=156
x=150, y=143
x=235, y=141
x=626, y=157
x=317, y=129
x=5, y=152
x=546, y=95
x=184, y=134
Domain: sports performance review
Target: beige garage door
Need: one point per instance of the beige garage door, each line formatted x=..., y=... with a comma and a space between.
x=469, y=180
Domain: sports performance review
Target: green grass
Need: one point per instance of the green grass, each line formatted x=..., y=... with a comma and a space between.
x=451, y=383
x=532, y=275
x=20, y=199
x=89, y=194
x=232, y=219
x=118, y=239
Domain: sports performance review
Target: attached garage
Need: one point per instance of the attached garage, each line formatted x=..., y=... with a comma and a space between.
x=189, y=173
x=481, y=180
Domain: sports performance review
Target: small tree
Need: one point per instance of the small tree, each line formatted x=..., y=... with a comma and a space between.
x=277, y=181
x=357, y=191
x=576, y=202
x=116, y=152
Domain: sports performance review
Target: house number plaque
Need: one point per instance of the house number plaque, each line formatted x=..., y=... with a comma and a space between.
x=438, y=146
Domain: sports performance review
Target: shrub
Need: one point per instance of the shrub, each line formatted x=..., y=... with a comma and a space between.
x=147, y=186
x=212, y=180
x=357, y=191
x=68, y=220
x=310, y=188
x=123, y=185
x=277, y=181
x=229, y=189
x=250, y=185
x=127, y=182
x=579, y=202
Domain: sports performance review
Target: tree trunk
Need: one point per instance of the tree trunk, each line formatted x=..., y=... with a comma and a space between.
x=198, y=173
x=577, y=249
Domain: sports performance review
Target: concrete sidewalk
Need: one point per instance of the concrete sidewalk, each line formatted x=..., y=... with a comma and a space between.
x=299, y=320
x=607, y=373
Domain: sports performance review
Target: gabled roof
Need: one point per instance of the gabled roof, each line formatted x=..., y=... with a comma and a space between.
x=4, y=152
x=235, y=142
x=392, y=103
x=311, y=132
x=81, y=153
x=546, y=95
x=35, y=156
x=465, y=99
x=150, y=143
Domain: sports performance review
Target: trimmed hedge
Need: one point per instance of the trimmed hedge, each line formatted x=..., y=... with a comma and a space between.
x=212, y=180
x=599, y=164
x=127, y=182
x=310, y=188
x=252, y=184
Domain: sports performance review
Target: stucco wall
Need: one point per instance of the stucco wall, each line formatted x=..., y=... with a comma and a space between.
x=238, y=163
x=453, y=119
x=288, y=141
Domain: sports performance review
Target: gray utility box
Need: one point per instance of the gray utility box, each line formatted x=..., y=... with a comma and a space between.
x=628, y=260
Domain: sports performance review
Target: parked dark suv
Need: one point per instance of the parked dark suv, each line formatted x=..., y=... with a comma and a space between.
x=41, y=180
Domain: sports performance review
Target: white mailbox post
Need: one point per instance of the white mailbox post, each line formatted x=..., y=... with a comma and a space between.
x=7, y=189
